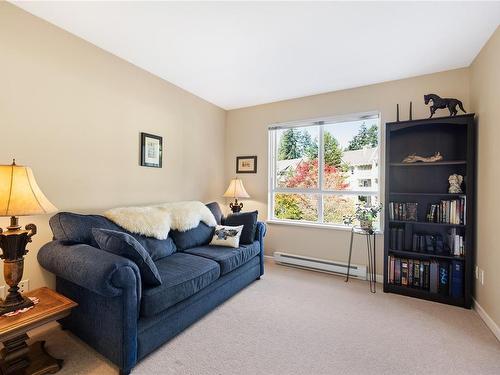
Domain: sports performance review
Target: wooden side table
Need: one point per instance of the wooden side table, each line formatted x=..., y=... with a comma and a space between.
x=17, y=357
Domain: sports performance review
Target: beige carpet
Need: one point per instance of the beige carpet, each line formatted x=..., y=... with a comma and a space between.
x=301, y=322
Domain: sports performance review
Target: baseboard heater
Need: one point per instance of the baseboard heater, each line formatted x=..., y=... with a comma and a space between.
x=321, y=265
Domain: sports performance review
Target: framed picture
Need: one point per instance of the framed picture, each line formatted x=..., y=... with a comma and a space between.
x=151, y=150
x=246, y=164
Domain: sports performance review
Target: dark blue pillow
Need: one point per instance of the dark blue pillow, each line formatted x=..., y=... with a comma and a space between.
x=201, y=235
x=125, y=245
x=72, y=228
x=249, y=222
x=216, y=211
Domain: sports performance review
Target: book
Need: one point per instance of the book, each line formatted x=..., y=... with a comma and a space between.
x=404, y=272
x=391, y=270
x=397, y=271
x=393, y=238
x=429, y=243
x=425, y=270
x=434, y=277
x=455, y=242
x=411, y=211
x=444, y=278
x=414, y=243
x=457, y=274
x=407, y=211
x=400, y=239
x=416, y=273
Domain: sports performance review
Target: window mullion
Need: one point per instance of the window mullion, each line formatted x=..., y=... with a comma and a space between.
x=321, y=168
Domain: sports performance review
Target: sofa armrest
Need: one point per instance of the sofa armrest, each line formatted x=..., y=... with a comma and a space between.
x=107, y=288
x=96, y=270
x=259, y=236
x=260, y=231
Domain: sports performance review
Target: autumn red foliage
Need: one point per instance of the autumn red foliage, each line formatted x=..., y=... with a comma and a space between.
x=306, y=176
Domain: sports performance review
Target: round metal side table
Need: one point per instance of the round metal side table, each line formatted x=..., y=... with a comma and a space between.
x=370, y=247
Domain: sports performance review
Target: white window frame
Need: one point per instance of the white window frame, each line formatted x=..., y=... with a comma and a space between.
x=273, y=161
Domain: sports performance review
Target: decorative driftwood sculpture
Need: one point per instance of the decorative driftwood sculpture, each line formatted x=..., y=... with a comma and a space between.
x=441, y=103
x=455, y=181
x=413, y=158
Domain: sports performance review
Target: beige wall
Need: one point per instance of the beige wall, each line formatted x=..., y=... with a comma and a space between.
x=485, y=97
x=73, y=112
x=246, y=134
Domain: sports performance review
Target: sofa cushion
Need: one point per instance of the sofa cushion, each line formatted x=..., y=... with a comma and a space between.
x=182, y=276
x=72, y=228
x=249, y=222
x=216, y=211
x=125, y=245
x=227, y=257
x=201, y=235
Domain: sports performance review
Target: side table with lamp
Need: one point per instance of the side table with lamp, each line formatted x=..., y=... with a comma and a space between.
x=21, y=196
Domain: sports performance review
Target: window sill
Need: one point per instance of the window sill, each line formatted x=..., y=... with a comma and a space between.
x=313, y=225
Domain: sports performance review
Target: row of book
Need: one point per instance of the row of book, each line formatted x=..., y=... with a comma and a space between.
x=448, y=211
x=403, y=211
x=397, y=238
x=456, y=242
x=427, y=242
x=441, y=277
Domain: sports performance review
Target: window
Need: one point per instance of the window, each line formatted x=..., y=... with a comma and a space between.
x=320, y=170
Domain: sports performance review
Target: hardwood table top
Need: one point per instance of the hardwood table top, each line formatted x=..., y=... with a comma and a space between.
x=51, y=306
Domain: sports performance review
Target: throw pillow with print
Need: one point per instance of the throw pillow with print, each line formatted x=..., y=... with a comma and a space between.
x=228, y=236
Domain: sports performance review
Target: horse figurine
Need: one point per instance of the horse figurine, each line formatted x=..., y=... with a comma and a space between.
x=441, y=103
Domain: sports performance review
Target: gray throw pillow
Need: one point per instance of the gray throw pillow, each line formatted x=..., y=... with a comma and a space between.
x=125, y=245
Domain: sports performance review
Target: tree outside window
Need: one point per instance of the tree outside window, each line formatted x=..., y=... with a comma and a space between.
x=305, y=192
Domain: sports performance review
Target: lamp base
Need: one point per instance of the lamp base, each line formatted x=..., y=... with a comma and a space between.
x=236, y=207
x=18, y=303
x=13, y=244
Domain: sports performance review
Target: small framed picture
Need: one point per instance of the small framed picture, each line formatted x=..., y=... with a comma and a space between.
x=246, y=164
x=151, y=150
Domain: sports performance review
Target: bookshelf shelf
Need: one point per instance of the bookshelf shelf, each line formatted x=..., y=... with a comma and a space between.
x=426, y=223
x=413, y=254
x=427, y=194
x=437, y=163
x=424, y=294
x=419, y=188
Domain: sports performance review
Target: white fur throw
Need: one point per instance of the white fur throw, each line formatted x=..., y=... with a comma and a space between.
x=156, y=221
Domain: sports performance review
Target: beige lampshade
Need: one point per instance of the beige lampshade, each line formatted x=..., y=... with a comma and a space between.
x=20, y=194
x=236, y=189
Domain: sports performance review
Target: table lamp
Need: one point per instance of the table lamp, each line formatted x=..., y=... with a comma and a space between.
x=236, y=190
x=19, y=196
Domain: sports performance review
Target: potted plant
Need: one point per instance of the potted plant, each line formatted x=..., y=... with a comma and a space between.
x=366, y=214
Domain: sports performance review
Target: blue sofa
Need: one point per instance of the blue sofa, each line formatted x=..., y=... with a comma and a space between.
x=120, y=317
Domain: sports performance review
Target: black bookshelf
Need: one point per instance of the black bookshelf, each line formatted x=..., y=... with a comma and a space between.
x=427, y=184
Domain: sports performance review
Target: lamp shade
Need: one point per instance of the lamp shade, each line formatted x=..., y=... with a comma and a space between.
x=20, y=194
x=236, y=189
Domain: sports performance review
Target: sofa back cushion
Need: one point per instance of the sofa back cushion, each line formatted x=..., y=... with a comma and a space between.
x=72, y=228
x=216, y=211
x=123, y=244
x=199, y=236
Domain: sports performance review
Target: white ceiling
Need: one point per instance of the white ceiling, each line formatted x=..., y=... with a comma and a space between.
x=242, y=53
